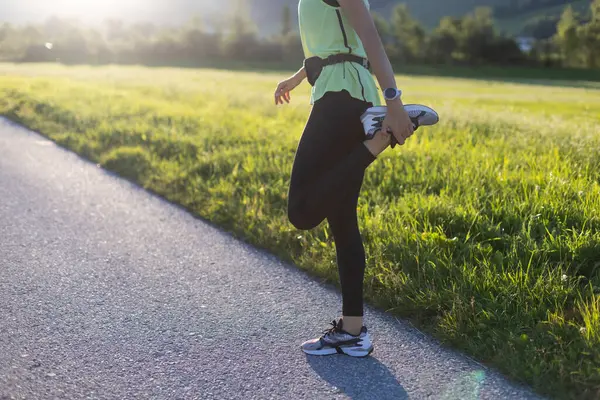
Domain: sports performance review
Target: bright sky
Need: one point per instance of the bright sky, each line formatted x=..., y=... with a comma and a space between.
x=96, y=10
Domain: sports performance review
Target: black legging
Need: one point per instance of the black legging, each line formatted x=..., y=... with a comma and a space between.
x=326, y=180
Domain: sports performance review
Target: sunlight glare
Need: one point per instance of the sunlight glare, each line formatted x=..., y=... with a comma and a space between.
x=91, y=8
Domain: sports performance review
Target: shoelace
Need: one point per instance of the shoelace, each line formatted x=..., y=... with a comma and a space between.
x=333, y=330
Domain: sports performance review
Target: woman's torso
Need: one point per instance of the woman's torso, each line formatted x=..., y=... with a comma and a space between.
x=324, y=31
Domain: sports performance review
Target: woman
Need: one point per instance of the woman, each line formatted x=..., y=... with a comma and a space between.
x=347, y=129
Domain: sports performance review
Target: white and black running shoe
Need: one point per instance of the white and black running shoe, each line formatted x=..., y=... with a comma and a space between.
x=420, y=115
x=337, y=341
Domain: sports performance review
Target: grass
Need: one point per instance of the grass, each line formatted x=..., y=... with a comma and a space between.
x=556, y=76
x=483, y=230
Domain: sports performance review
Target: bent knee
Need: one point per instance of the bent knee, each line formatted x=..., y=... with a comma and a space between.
x=300, y=219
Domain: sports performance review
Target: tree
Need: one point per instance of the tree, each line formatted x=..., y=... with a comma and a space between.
x=408, y=33
x=286, y=21
x=503, y=51
x=595, y=10
x=477, y=35
x=241, y=39
x=567, y=37
x=144, y=29
x=445, y=40
x=383, y=28
x=385, y=32
x=589, y=38
x=542, y=27
x=6, y=30
x=116, y=30
x=73, y=48
x=197, y=44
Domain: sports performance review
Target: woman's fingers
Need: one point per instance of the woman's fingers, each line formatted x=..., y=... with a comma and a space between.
x=282, y=94
x=278, y=94
x=280, y=97
x=400, y=134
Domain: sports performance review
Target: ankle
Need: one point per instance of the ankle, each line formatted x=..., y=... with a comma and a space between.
x=352, y=325
x=378, y=143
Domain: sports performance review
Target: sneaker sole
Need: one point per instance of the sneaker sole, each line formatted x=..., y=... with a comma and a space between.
x=424, y=111
x=344, y=350
x=408, y=108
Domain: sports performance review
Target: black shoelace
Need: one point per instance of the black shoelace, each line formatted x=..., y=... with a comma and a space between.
x=336, y=328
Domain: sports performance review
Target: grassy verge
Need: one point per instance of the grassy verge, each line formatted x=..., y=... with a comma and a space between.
x=483, y=230
x=555, y=76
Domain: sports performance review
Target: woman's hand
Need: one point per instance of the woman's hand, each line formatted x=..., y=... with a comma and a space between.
x=397, y=121
x=282, y=93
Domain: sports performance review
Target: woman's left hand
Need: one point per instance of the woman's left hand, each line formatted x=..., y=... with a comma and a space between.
x=282, y=93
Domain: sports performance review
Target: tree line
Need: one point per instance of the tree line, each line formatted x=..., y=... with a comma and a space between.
x=469, y=40
x=474, y=40
x=515, y=7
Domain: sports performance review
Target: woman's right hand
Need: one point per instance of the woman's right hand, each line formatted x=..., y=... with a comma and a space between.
x=282, y=93
x=397, y=121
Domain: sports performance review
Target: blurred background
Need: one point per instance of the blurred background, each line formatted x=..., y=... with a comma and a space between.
x=547, y=33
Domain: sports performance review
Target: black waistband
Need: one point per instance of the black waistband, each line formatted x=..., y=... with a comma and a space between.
x=343, y=57
x=314, y=65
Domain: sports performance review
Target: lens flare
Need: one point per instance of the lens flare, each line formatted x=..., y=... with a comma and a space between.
x=467, y=387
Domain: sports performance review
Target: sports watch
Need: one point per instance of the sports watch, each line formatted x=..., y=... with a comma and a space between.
x=391, y=94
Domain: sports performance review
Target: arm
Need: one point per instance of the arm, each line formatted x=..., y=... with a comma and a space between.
x=282, y=93
x=362, y=22
x=397, y=121
x=301, y=74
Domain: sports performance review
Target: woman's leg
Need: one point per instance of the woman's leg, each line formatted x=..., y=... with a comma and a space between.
x=330, y=160
x=326, y=180
x=350, y=259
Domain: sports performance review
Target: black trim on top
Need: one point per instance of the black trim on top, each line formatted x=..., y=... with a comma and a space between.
x=332, y=3
x=360, y=81
x=339, y=15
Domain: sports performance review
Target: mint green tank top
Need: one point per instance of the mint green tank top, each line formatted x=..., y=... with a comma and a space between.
x=324, y=31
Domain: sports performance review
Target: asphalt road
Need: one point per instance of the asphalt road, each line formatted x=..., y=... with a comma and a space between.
x=108, y=292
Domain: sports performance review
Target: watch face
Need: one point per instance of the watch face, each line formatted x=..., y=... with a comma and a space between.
x=390, y=93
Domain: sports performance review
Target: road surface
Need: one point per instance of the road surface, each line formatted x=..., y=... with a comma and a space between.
x=109, y=292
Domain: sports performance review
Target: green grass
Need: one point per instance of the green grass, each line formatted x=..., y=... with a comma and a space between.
x=483, y=230
x=577, y=77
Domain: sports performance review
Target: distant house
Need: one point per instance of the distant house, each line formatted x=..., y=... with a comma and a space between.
x=525, y=43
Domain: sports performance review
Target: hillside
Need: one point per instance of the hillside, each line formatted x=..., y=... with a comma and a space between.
x=267, y=13
x=515, y=24
x=429, y=12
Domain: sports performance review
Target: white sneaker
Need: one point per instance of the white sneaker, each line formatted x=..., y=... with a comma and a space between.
x=337, y=341
x=420, y=115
